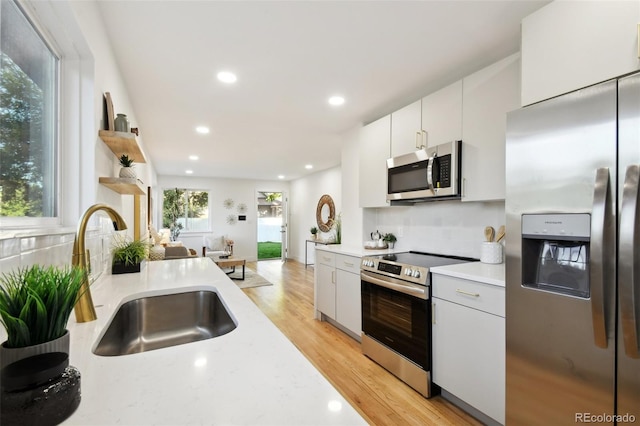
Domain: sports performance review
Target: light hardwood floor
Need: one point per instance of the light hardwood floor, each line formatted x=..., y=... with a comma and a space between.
x=378, y=396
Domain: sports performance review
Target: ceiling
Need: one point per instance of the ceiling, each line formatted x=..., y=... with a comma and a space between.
x=290, y=57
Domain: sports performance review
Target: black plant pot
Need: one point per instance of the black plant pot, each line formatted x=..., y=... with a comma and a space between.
x=121, y=268
x=38, y=386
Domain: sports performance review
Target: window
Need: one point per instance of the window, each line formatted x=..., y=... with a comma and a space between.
x=185, y=209
x=28, y=119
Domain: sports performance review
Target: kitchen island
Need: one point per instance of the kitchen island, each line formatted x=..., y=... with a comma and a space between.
x=252, y=375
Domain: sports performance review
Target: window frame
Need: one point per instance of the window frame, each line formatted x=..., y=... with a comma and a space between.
x=209, y=210
x=26, y=222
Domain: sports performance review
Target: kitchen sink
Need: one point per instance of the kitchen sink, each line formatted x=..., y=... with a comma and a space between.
x=155, y=322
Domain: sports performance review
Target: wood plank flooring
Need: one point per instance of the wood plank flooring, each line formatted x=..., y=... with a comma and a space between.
x=379, y=397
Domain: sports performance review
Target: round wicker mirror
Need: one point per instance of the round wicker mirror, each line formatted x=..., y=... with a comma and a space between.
x=325, y=213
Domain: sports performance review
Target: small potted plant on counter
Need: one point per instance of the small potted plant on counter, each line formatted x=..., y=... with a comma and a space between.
x=38, y=384
x=128, y=255
x=314, y=232
x=390, y=239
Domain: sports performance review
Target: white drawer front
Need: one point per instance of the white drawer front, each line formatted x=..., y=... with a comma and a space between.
x=348, y=263
x=485, y=297
x=325, y=258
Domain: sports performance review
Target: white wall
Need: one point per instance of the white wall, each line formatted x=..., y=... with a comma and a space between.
x=245, y=233
x=107, y=78
x=351, y=211
x=305, y=194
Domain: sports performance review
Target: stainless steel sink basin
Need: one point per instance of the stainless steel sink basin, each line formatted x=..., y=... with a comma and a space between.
x=156, y=322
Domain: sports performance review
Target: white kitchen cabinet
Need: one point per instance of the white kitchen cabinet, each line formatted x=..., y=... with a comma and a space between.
x=469, y=342
x=488, y=95
x=406, y=129
x=325, y=275
x=338, y=290
x=348, y=296
x=374, y=151
x=442, y=115
x=567, y=45
x=430, y=121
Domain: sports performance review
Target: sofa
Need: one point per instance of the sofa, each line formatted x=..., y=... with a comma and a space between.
x=180, y=252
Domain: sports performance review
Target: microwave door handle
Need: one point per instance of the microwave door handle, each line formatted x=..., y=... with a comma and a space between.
x=601, y=268
x=628, y=273
x=430, y=173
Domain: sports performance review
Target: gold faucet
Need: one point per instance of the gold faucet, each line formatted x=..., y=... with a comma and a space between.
x=84, y=309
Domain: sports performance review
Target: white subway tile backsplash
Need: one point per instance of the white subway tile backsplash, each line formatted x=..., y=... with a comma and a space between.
x=444, y=227
x=56, y=249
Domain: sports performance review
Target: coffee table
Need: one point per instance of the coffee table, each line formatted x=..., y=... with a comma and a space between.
x=231, y=262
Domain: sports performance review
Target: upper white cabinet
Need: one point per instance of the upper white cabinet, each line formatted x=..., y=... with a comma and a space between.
x=430, y=121
x=568, y=45
x=442, y=115
x=406, y=129
x=375, y=145
x=488, y=95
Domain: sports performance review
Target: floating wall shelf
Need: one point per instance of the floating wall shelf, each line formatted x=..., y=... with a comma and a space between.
x=129, y=186
x=122, y=143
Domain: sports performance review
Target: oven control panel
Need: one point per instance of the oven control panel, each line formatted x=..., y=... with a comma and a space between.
x=416, y=274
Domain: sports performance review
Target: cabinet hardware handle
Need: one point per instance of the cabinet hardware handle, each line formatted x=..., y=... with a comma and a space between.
x=348, y=264
x=467, y=293
x=433, y=312
x=333, y=277
x=424, y=139
x=418, y=140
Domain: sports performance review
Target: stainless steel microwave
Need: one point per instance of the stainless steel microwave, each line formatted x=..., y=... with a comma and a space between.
x=426, y=175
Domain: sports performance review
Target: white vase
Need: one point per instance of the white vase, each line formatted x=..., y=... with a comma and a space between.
x=127, y=172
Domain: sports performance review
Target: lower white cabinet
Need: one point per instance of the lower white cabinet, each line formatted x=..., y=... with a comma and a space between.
x=469, y=343
x=348, y=305
x=338, y=289
x=325, y=295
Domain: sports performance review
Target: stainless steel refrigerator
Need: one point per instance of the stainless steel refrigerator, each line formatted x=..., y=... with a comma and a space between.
x=572, y=258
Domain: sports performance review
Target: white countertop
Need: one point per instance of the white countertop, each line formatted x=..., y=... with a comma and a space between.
x=476, y=271
x=252, y=375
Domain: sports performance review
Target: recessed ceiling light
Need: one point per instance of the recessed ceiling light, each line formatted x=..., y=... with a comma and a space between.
x=193, y=157
x=308, y=166
x=336, y=100
x=189, y=172
x=203, y=130
x=227, y=77
x=280, y=176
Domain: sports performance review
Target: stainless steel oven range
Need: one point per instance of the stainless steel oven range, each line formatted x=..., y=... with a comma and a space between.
x=396, y=313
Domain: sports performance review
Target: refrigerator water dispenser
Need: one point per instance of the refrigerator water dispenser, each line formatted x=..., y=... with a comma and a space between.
x=555, y=253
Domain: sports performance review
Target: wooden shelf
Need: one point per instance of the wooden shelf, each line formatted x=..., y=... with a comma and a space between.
x=122, y=143
x=129, y=186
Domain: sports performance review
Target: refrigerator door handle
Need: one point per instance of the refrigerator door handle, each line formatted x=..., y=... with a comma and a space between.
x=627, y=269
x=600, y=271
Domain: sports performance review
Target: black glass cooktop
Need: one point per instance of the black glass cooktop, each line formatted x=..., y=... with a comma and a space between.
x=425, y=260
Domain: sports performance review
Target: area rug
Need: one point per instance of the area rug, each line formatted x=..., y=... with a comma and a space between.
x=251, y=278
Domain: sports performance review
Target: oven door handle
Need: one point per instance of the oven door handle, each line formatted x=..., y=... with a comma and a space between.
x=408, y=289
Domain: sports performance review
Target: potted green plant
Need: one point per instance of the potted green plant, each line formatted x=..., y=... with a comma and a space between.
x=336, y=224
x=390, y=239
x=126, y=171
x=35, y=305
x=128, y=255
x=314, y=232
